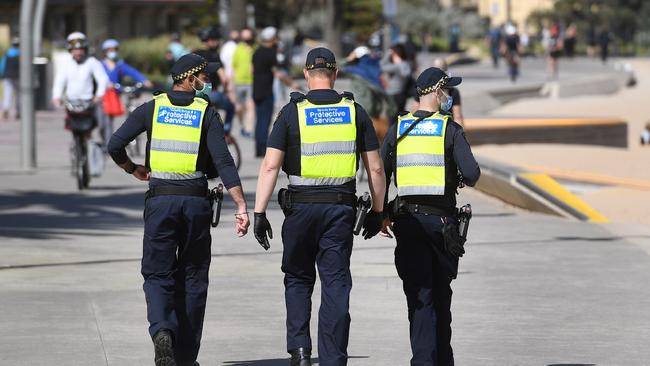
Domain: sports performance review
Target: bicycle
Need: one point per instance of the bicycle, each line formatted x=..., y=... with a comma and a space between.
x=233, y=147
x=80, y=120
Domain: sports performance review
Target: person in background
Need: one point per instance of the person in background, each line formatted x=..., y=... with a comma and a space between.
x=456, y=108
x=363, y=63
x=554, y=50
x=9, y=71
x=211, y=37
x=603, y=41
x=494, y=43
x=242, y=67
x=265, y=68
x=227, y=52
x=398, y=72
x=570, y=40
x=175, y=49
x=511, y=51
x=116, y=70
x=645, y=135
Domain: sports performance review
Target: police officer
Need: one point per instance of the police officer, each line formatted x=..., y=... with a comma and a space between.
x=317, y=140
x=424, y=152
x=185, y=147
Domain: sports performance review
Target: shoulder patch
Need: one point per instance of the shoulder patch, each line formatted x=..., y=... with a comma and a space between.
x=158, y=92
x=348, y=95
x=297, y=97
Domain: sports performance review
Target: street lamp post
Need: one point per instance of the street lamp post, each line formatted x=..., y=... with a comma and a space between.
x=28, y=135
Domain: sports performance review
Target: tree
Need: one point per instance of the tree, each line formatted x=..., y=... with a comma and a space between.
x=334, y=25
x=97, y=17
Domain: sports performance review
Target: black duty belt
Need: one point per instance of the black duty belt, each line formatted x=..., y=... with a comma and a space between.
x=426, y=209
x=176, y=191
x=287, y=198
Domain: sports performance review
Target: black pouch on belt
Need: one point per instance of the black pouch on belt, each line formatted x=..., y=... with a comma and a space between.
x=284, y=199
x=454, y=242
x=216, y=200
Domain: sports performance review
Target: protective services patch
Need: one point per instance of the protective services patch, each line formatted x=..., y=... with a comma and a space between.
x=427, y=127
x=321, y=116
x=179, y=116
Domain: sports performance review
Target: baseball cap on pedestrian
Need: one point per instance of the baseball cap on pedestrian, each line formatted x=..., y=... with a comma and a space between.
x=268, y=34
x=432, y=79
x=320, y=58
x=191, y=64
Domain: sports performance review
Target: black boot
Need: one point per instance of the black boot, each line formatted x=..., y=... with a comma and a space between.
x=163, y=348
x=300, y=357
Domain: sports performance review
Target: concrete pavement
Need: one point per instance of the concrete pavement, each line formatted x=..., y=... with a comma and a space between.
x=533, y=289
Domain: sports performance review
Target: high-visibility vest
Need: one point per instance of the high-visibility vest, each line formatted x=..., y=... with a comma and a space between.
x=420, y=158
x=175, y=138
x=328, y=152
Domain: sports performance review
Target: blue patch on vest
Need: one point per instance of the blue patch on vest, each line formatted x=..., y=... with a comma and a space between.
x=179, y=116
x=320, y=116
x=427, y=127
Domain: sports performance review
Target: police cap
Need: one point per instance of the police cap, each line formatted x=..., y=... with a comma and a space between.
x=325, y=54
x=433, y=78
x=191, y=64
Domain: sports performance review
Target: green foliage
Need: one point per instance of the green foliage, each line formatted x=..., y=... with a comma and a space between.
x=148, y=54
x=422, y=16
x=362, y=17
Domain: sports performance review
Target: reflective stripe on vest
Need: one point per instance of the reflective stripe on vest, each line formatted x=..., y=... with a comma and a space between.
x=328, y=135
x=175, y=138
x=420, y=162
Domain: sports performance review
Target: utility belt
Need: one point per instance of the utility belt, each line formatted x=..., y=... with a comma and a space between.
x=215, y=196
x=399, y=207
x=287, y=198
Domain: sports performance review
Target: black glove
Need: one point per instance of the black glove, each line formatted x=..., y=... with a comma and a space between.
x=261, y=227
x=372, y=224
x=454, y=243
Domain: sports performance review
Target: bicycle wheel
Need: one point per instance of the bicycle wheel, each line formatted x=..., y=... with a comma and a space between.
x=79, y=162
x=234, y=150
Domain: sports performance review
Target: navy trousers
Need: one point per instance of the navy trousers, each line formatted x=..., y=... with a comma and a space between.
x=264, y=113
x=318, y=235
x=426, y=270
x=175, y=263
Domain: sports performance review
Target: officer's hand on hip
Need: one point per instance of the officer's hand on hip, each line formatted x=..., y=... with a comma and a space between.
x=386, y=228
x=261, y=227
x=242, y=222
x=142, y=172
x=372, y=224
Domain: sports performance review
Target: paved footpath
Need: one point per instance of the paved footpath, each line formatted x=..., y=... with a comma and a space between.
x=533, y=289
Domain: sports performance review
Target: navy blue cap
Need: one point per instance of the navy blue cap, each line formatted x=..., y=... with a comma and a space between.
x=433, y=78
x=190, y=64
x=320, y=52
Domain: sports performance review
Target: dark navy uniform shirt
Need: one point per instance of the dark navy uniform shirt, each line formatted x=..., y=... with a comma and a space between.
x=458, y=157
x=213, y=151
x=285, y=136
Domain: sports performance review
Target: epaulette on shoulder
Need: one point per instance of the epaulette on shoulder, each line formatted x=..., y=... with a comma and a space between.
x=403, y=113
x=158, y=92
x=347, y=95
x=297, y=97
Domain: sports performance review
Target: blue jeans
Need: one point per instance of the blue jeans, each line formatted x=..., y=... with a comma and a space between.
x=221, y=101
x=264, y=113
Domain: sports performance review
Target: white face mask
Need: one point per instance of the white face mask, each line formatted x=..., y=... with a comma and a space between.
x=112, y=55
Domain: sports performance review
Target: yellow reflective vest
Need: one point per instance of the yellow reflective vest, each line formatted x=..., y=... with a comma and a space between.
x=328, y=135
x=175, y=138
x=420, y=160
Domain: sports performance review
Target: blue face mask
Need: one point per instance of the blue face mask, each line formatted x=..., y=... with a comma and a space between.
x=207, y=89
x=446, y=106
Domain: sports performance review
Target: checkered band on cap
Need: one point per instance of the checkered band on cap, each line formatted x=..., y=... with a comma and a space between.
x=442, y=82
x=189, y=72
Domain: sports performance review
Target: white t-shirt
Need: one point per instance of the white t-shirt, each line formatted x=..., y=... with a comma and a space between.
x=75, y=80
x=227, y=51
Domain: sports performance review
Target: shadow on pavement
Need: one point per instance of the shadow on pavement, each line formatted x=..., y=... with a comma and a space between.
x=47, y=215
x=278, y=362
x=572, y=364
x=50, y=215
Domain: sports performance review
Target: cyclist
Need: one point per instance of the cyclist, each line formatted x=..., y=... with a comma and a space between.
x=80, y=77
x=211, y=37
x=116, y=70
